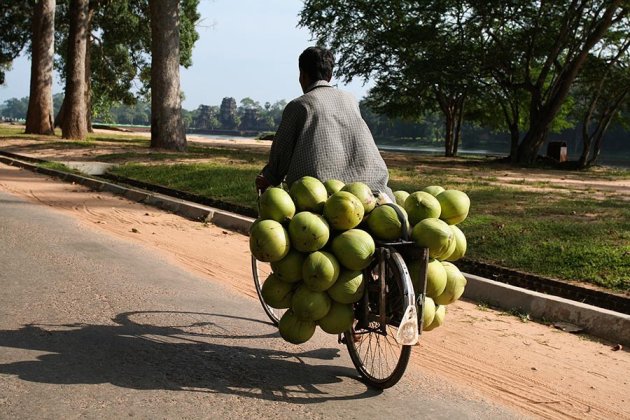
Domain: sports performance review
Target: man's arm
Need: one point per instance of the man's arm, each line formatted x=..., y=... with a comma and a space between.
x=293, y=118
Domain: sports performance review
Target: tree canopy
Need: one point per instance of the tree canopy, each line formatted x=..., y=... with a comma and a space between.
x=519, y=57
x=15, y=21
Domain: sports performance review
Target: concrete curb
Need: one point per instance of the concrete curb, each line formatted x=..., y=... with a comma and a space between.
x=602, y=323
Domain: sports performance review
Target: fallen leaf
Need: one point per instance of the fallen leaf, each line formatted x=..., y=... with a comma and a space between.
x=565, y=326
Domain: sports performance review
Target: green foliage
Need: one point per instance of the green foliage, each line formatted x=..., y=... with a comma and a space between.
x=512, y=61
x=15, y=21
x=422, y=55
x=120, y=49
x=15, y=108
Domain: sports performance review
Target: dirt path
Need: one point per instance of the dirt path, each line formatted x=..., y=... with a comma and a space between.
x=537, y=369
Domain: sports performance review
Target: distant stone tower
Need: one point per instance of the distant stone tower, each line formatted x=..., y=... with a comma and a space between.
x=228, y=115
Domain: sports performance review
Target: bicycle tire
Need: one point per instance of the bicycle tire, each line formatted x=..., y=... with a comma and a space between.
x=371, y=340
x=260, y=271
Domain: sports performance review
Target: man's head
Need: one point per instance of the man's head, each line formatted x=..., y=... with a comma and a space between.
x=316, y=63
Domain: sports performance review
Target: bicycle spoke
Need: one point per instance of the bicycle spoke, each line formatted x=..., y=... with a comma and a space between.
x=377, y=355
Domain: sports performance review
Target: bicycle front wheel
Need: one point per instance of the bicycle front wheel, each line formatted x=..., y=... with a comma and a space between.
x=372, y=344
x=260, y=271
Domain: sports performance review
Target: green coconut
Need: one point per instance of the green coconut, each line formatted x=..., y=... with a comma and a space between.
x=308, y=194
x=434, y=190
x=310, y=305
x=428, y=311
x=438, y=319
x=276, y=204
x=277, y=293
x=455, y=285
x=436, y=277
x=354, y=249
x=333, y=185
x=460, y=244
x=400, y=197
x=269, y=241
x=289, y=269
x=308, y=231
x=320, y=270
x=343, y=210
x=348, y=288
x=455, y=205
x=363, y=193
x=384, y=223
x=435, y=235
x=339, y=319
x=295, y=330
x=421, y=205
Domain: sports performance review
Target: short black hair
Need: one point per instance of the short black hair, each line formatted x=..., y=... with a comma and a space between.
x=317, y=63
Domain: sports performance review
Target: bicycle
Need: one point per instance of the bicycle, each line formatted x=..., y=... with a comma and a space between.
x=388, y=317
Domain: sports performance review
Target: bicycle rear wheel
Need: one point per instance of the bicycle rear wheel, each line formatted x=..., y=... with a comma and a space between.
x=374, y=350
x=260, y=271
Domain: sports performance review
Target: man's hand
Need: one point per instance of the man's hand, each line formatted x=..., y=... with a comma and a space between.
x=261, y=184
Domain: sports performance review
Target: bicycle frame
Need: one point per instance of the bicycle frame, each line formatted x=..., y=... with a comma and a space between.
x=384, y=252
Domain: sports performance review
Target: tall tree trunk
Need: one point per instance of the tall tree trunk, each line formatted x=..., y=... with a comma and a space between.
x=529, y=147
x=586, y=136
x=544, y=108
x=167, y=129
x=88, y=68
x=458, y=124
x=515, y=136
x=39, y=116
x=602, y=126
x=74, y=123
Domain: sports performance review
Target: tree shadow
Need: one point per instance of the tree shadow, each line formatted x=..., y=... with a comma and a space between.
x=162, y=353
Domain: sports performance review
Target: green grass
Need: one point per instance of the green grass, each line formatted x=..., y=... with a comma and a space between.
x=218, y=181
x=570, y=236
x=58, y=167
x=566, y=233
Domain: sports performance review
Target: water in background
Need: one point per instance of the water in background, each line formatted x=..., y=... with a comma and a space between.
x=606, y=158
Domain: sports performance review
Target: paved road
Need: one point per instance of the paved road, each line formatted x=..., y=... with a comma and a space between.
x=94, y=326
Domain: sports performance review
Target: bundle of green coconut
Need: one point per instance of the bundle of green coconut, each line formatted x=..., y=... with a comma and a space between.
x=319, y=236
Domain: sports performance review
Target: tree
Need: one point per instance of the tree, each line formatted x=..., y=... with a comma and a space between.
x=602, y=91
x=167, y=129
x=15, y=18
x=422, y=54
x=540, y=48
x=118, y=65
x=74, y=122
x=15, y=108
x=39, y=118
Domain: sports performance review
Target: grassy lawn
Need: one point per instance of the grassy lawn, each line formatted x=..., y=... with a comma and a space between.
x=534, y=225
x=564, y=234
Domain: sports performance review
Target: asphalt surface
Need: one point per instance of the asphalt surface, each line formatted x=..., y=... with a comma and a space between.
x=92, y=326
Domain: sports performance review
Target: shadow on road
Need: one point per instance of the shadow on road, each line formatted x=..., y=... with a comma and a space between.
x=178, y=351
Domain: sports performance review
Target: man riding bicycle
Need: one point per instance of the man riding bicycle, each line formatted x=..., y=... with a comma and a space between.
x=323, y=135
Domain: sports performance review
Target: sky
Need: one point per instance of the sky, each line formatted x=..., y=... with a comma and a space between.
x=246, y=48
